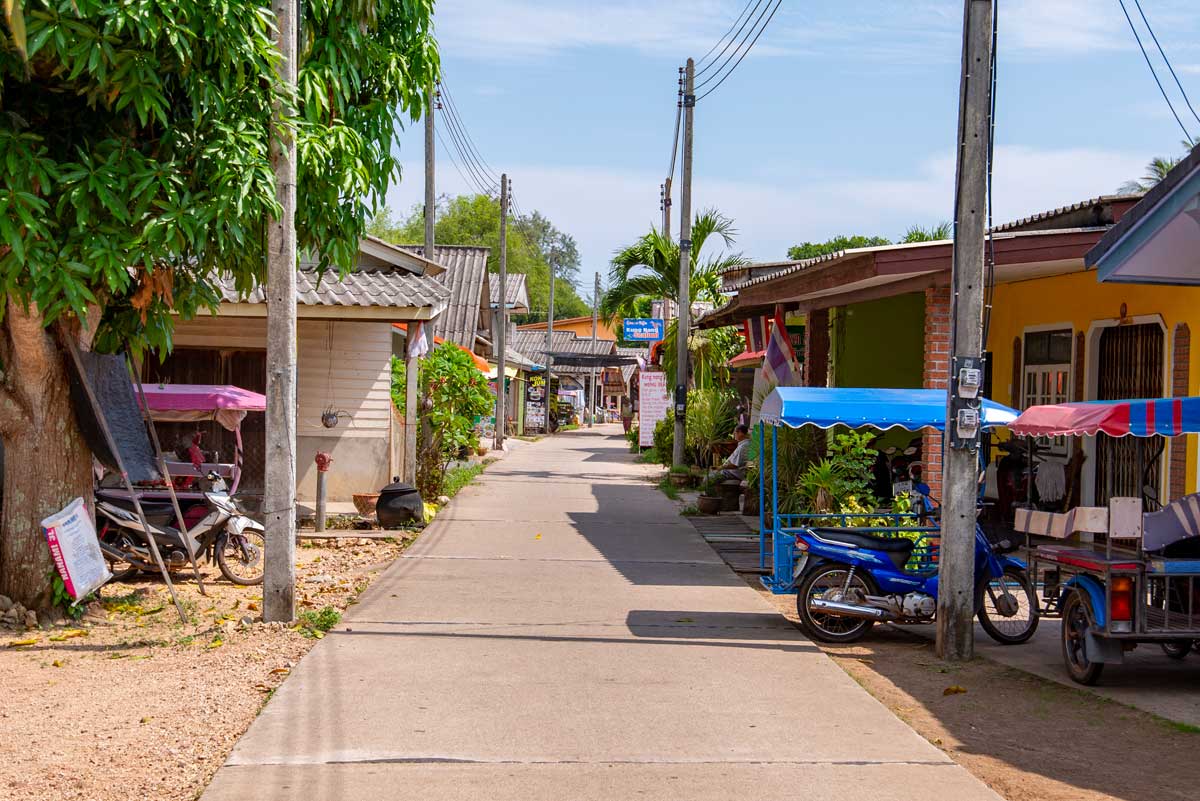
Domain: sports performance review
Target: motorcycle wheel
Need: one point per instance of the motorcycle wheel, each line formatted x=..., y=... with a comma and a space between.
x=1177, y=649
x=1076, y=620
x=826, y=627
x=1019, y=624
x=240, y=557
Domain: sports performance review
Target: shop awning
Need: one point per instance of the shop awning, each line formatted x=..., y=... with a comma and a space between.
x=1168, y=417
x=826, y=407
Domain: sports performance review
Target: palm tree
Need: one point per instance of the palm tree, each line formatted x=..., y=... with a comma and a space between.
x=649, y=268
x=1156, y=170
x=934, y=233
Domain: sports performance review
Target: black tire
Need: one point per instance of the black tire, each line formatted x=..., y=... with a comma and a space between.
x=1177, y=649
x=121, y=570
x=1008, y=629
x=825, y=627
x=1076, y=620
x=240, y=557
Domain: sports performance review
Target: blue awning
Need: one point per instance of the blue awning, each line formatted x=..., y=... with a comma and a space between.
x=911, y=409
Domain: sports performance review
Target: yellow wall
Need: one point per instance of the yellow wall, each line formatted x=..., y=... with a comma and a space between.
x=582, y=326
x=1080, y=300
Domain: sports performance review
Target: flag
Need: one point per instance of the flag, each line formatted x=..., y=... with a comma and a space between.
x=779, y=362
x=757, y=332
x=418, y=346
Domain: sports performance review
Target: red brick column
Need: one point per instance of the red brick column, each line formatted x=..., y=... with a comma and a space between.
x=816, y=348
x=937, y=376
x=1180, y=376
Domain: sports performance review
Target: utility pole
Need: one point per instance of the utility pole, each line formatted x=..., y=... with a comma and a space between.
x=551, y=401
x=502, y=328
x=412, y=370
x=956, y=565
x=595, y=314
x=666, y=207
x=279, y=496
x=685, y=268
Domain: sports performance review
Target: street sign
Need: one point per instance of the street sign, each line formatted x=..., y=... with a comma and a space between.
x=643, y=329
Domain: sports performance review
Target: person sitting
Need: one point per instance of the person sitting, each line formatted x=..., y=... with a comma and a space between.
x=734, y=468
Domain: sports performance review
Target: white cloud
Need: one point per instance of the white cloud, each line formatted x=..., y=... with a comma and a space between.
x=606, y=208
x=1063, y=26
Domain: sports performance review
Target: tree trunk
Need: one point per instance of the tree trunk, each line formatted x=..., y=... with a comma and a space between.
x=47, y=464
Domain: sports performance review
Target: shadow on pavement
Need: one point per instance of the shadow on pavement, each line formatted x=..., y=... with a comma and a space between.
x=710, y=625
x=799, y=646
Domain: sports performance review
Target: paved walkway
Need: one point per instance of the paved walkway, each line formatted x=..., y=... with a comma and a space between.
x=560, y=633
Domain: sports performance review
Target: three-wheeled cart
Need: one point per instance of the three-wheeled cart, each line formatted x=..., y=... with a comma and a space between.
x=851, y=570
x=1142, y=585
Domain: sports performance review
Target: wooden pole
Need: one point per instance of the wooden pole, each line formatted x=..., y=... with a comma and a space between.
x=502, y=323
x=685, y=267
x=412, y=367
x=595, y=326
x=956, y=565
x=279, y=496
x=551, y=401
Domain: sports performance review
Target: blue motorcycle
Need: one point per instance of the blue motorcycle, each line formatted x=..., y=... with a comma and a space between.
x=852, y=579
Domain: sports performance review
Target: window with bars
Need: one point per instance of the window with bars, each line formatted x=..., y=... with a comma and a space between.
x=1047, y=376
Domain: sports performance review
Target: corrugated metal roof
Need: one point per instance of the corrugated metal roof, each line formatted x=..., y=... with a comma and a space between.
x=466, y=277
x=379, y=288
x=1096, y=212
x=514, y=285
x=628, y=370
x=533, y=345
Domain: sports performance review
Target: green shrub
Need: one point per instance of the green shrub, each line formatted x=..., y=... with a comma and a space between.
x=710, y=420
x=664, y=440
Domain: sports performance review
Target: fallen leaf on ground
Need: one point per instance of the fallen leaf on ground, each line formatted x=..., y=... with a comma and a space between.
x=19, y=643
x=69, y=634
x=281, y=671
x=57, y=663
x=954, y=689
x=215, y=644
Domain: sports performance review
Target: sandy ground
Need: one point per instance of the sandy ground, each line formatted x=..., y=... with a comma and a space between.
x=1028, y=738
x=129, y=703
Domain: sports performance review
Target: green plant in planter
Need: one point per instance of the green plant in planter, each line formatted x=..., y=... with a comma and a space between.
x=664, y=440
x=710, y=420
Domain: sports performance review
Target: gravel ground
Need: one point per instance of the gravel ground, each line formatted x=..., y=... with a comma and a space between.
x=129, y=703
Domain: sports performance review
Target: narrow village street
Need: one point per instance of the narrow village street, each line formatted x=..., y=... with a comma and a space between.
x=562, y=633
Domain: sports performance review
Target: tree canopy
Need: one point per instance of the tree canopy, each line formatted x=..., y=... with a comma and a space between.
x=136, y=145
x=534, y=244
x=914, y=233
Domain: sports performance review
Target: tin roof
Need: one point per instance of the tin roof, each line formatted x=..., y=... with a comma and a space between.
x=376, y=288
x=466, y=277
x=514, y=286
x=533, y=345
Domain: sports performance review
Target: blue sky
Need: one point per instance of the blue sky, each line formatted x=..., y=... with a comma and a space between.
x=842, y=120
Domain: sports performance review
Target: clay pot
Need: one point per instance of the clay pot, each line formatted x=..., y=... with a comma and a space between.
x=709, y=504
x=365, y=502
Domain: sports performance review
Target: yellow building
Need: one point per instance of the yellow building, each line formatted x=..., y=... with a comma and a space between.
x=580, y=326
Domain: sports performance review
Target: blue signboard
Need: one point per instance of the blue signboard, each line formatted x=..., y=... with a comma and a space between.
x=643, y=329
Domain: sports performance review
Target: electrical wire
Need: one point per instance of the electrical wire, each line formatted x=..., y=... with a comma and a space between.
x=453, y=108
x=731, y=70
x=1154, y=73
x=481, y=183
x=458, y=134
x=731, y=38
x=453, y=160
x=1166, y=60
x=675, y=141
x=741, y=44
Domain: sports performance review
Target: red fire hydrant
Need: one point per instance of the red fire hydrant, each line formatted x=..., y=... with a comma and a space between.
x=323, y=461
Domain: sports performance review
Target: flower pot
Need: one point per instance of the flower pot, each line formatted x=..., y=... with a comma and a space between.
x=681, y=480
x=709, y=504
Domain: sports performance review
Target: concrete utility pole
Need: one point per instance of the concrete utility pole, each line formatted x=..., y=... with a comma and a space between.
x=595, y=314
x=551, y=402
x=412, y=369
x=956, y=566
x=502, y=326
x=279, y=496
x=685, y=268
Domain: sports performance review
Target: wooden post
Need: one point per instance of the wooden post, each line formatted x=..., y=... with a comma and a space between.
x=279, y=497
x=595, y=326
x=502, y=324
x=956, y=564
x=551, y=402
x=685, y=268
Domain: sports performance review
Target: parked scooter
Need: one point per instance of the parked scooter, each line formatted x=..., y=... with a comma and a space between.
x=224, y=535
x=851, y=580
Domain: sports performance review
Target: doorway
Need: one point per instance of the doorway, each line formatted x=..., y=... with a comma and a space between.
x=1130, y=363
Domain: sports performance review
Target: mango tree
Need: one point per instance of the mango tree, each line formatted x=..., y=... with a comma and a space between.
x=135, y=144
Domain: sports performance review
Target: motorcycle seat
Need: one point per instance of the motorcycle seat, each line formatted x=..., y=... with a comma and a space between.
x=860, y=540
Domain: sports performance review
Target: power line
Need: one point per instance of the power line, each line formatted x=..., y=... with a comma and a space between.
x=453, y=108
x=728, y=58
x=730, y=71
x=675, y=143
x=1166, y=60
x=481, y=184
x=731, y=38
x=1153, y=72
x=453, y=160
x=458, y=135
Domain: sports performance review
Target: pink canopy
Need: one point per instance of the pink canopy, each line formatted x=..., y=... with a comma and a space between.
x=190, y=402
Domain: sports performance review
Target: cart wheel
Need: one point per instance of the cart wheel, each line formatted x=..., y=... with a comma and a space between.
x=1076, y=620
x=827, y=581
x=1177, y=649
x=1008, y=606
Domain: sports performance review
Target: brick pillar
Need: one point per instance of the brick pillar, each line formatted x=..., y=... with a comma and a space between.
x=937, y=376
x=1180, y=378
x=816, y=348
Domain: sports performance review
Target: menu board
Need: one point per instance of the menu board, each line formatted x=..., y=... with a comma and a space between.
x=654, y=404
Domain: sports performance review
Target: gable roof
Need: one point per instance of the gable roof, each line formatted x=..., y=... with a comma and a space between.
x=533, y=345
x=388, y=295
x=515, y=288
x=466, y=277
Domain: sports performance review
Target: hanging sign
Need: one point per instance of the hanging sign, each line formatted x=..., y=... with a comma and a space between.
x=642, y=329
x=653, y=403
x=75, y=549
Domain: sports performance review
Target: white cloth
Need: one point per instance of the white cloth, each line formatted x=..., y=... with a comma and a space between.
x=418, y=346
x=739, y=456
x=1051, y=481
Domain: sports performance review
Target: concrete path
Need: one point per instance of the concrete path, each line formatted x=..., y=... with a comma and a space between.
x=561, y=633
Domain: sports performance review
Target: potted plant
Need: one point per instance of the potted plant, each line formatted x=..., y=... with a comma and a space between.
x=681, y=477
x=709, y=502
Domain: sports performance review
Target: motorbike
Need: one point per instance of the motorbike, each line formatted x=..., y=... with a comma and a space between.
x=850, y=580
x=224, y=536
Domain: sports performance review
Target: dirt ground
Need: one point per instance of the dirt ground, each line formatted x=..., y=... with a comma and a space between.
x=131, y=703
x=1029, y=739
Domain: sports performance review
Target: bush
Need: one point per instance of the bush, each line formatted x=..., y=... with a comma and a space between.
x=664, y=439
x=710, y=420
